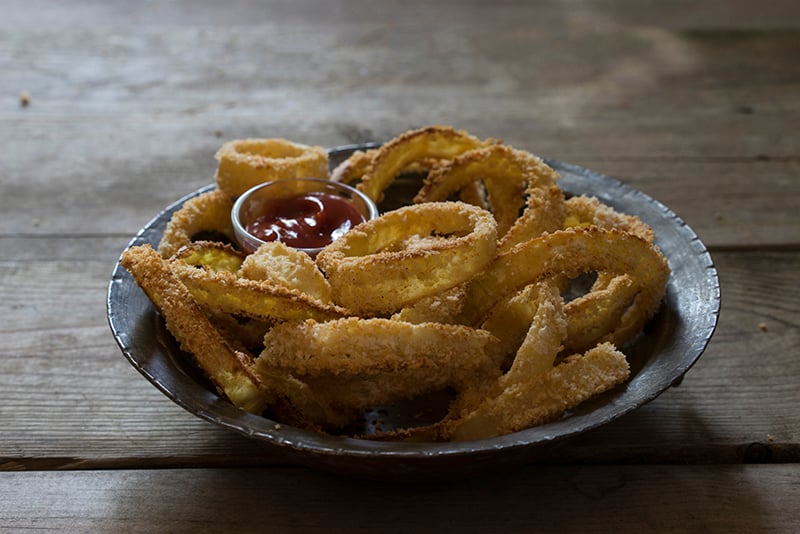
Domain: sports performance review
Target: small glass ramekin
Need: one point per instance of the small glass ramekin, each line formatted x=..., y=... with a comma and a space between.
x=249, y=206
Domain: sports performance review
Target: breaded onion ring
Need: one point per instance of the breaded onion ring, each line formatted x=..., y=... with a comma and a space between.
x=298, y=404
x=506, y=172
x=536, y=336
x=537, y=352
x=229, y=293
x=352, y=346
x=510, y=319
x=585, y=211
x=226, y=367
x=211, y=254
x=241, y=333
x=354, y=167
x=245, y=163
x=592, y=316
x=545, y=212
x=571, y=253
x=207, y=213
x=369, y=276
x=392, y=158
x=351, y=364
x=542, y=397
x=442, y=307
x=283, y=265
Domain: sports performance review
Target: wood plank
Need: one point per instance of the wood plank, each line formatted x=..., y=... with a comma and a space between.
x=575, y=15
x=543, y=499
x=68, y=398
x=704, y=120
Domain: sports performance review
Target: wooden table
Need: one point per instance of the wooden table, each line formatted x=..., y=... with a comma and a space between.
x=109, y=112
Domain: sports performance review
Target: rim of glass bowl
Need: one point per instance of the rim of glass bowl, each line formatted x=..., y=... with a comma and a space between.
x=242, y=234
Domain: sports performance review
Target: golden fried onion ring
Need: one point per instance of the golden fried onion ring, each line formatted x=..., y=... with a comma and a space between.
x=593, y=315
x=185, y=319
x=506, y=172
x=208, y=212
x=354, y=363
x=259, y=299
x=542, y=397
x=546, y=211
x=354, y=167
x=357, y=164
x=571, y=253
x=442, y=307
x=212, y=254
x=352, y=345
x=245, y=163
x=585, y=211
x=393, y=157
x=369, y=275
x=281, y=264
x=530, y=324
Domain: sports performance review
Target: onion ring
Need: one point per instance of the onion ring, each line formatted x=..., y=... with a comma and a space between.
x=185, y=319
x=212, y=254
x=351, y=364
x=506, y=172
x=367, y=276
x=437, y=142
x=545, y=212
x=207, y=213
x=571, y=253
x=283, y=265
x=542, y=342
x=245, y=163
x=442, y=307
x=510, y=320
x=229, y=293
x=351, y=346
x=591, y=317
x=584, y=211
x=542, y=397
x=354, y=167
x=533, y=326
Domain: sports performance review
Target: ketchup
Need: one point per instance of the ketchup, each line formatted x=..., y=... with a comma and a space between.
x=312, y=220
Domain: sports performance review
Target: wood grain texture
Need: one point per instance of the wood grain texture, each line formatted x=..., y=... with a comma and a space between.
x=124, y=120
x=696, y=103
x=541, y=499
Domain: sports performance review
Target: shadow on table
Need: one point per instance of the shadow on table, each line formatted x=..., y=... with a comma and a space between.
x=533, y=498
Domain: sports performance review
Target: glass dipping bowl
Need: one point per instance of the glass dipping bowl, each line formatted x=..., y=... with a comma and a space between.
x=250, y=205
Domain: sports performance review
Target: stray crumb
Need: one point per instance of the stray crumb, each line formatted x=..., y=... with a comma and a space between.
x=717, y=216
x=24, y=99
x=770, y=438
x=762, y=327
x=36, y=222
x=277, y=426
x=218, y=134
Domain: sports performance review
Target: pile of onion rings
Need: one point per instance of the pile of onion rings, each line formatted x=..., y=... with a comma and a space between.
x=469, y=289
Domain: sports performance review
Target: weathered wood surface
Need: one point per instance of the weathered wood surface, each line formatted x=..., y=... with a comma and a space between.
x=695, y=103
x=729, y=499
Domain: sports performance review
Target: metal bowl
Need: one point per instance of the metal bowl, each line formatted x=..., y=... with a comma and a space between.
x=669, y=346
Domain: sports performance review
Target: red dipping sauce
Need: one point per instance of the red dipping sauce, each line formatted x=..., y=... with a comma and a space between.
x=311, y=220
